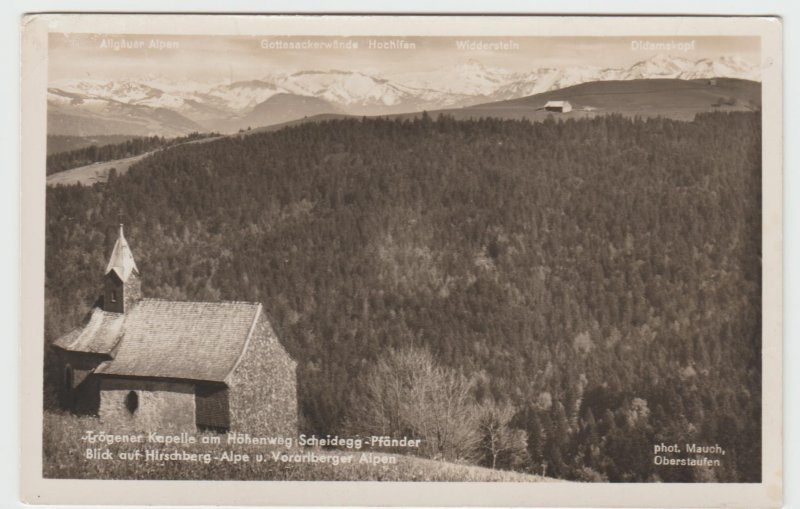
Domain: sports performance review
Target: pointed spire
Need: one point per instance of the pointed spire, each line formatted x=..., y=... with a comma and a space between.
x=121, y=260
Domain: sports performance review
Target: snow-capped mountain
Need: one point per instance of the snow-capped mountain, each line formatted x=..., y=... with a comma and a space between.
x=345, y=88
x=192, y=105
x=723, y=67
x=466, y=80
x=473, y=79
x=361, y=93
x=660, y=66
x=242, y=96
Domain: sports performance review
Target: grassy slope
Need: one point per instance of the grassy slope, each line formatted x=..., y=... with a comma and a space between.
x=676, y=99
x=64, y=458
x=98, y=172
x=660, y=94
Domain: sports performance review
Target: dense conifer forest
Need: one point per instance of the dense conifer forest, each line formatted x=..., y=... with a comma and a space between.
x=600, y=277
x=66, y=143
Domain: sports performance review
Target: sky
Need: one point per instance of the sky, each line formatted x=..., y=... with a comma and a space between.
x=236, y=58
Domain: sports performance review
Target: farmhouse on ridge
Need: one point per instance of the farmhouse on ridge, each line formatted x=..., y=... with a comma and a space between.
x=558, y=106
x=159, y=364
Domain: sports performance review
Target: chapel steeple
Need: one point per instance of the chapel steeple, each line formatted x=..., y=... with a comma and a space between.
x=121, y=284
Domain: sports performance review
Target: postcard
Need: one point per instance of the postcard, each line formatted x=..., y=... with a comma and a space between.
x=449, y=260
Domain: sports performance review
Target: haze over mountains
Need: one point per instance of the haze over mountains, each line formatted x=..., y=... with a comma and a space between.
x=157, y=106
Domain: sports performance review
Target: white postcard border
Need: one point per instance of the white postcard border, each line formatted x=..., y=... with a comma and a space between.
x=37, y=490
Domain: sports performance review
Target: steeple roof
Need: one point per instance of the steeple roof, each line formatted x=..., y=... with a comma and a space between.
x=121, y=260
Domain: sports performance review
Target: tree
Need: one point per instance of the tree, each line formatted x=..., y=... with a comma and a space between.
x=407, y=394
x=501, y=446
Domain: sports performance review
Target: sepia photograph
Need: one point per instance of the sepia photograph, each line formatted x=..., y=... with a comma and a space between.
x=511, y=257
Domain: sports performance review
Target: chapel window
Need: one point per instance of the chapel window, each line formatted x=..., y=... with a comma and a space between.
x=132, y=401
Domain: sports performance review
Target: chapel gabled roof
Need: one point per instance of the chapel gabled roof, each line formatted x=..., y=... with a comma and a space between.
x=121, y=260
x=173, y=339
x=183, y=340
x=100, y=334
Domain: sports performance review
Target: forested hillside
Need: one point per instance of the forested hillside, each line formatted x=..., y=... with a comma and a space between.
x=82, y=156
x=64, y=143
x=601, y=276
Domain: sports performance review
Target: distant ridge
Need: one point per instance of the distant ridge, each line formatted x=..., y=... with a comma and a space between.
x=153, y=105
x=285, y=107
x=670, y=98
x=646, y=95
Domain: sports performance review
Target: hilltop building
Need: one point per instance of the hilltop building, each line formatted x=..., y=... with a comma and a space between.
x=558, y=106
x=159, y=364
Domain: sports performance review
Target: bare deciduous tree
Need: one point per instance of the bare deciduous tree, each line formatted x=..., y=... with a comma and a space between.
x=407, y=394
x=500, y=446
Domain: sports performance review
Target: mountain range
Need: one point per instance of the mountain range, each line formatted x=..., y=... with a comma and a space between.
x=158, y=106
